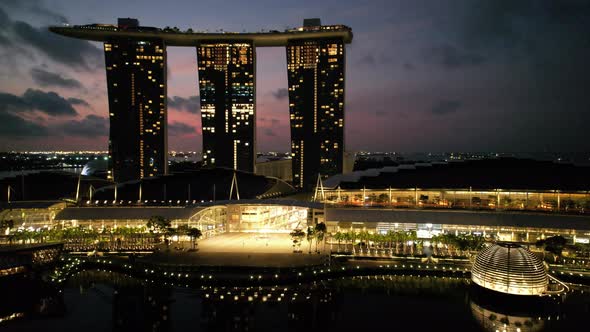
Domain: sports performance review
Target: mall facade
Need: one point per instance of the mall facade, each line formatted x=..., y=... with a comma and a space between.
x=282, y=216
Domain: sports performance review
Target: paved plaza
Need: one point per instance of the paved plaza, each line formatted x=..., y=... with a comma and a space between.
x=248, y=242
x=242, y=249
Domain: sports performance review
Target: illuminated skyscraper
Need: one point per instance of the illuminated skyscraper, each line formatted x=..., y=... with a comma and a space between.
x=136, y=80
x=316, y=104
x=136, y=74
x=226, y=85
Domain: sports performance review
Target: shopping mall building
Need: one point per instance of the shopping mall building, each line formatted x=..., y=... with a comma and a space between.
x=511, y=200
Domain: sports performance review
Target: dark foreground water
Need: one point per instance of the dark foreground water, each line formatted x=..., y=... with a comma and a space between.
x=106, y=301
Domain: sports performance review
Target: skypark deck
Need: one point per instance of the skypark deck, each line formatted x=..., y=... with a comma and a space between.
x=171, y=37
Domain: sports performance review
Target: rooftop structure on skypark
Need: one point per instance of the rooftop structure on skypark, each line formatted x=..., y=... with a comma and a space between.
x=175, y=37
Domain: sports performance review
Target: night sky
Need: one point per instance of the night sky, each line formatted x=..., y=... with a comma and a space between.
x=430, y=76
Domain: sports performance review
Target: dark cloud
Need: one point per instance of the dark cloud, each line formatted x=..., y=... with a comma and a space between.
x=91, y=126
x=4, y=20
x=35, y=7
x=69, y=51
x=12, y=126
x=409, y=66
x=4, y=41
x=367, y=59
x=180, y=129
x=444, y=107
x=49, y=103
x=374, y=58
x=522, y=30
x=45, y=78
x=10, y=102
x=78, y=101
x=55, y=17
x=450, y=57
x=281, y=93
x=191, y=104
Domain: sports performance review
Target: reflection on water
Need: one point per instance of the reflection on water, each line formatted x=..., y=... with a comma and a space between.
x=23, y=298
x=103, y=301
x=499, y=321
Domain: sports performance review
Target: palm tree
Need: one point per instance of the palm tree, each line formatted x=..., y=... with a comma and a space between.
x=345, y=238
x=352, y=236
x=339, y=237
x=375, y=238
x=364, y=237
x=402, y=238
x=160, y=225
x=383, y=240
x=310, y=236
x=412, y=236
x=390, y=236
x=194, y=234
x=320, y=231
x=434, y=240
x=297, y=236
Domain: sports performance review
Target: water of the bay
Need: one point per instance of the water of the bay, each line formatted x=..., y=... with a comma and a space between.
x=108, y=301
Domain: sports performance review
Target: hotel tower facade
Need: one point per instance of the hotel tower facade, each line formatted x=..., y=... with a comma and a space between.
x=136, y=76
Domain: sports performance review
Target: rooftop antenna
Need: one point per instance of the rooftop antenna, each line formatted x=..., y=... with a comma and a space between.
x=319, y=186
x=234, y=181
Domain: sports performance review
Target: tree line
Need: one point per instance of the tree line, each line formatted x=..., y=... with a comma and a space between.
x=156, y=226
